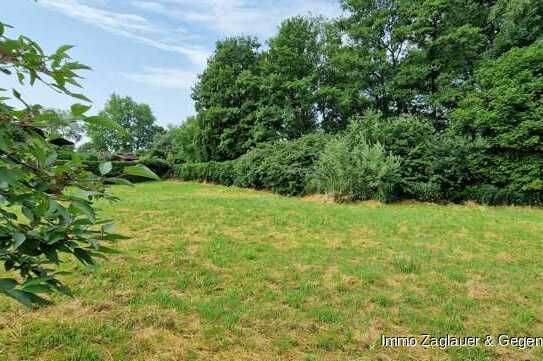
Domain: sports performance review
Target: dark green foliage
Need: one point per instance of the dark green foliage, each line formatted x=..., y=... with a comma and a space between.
x=39, y=220
x=178, y=144
x=282, y=167
x=519, y=24
x=432, y=165
x=226, y=97
x=290, y=77
x=505, y=111
x=450, y=88
x=215, y=172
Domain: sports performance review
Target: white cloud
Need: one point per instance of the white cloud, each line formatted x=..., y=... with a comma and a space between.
x=147, y=5
x=107, y=20
x=184, y=23
x=260, y=17
x=164, y=77
x=132, y=26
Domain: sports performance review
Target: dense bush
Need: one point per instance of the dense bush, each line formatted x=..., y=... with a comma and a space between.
x=491, y=151
x=282, y=167
x=216, y=172
x=457, y=102
x=412, y=140
x=356, y=170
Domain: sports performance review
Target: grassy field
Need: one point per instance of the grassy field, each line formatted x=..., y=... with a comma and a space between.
x=215, y=273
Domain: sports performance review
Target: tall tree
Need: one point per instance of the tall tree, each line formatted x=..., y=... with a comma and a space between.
x=290, y=79
x=340, y=93
x=519, y=23
x=446, y=40
x=133, y=126
x=505, y=110
x=226, y=98
x=377, y=43
x=415, y=56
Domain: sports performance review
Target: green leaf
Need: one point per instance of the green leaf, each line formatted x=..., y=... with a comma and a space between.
x=16, y=94
x=83, y=256
x=79, y=96
x=101, y=121
x=140, y=171
x=19, y=239
x=38, y=285
x=63, y=49
x=26, y=298
x=121, y=181
x=7, y=283
x=28, y=213
x=105, y=168
x=79, y=109
x=85, y=208
x=108, y=250
x=77, y=66
x=114, y=237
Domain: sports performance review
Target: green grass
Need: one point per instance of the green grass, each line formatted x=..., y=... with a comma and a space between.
x=215, y=273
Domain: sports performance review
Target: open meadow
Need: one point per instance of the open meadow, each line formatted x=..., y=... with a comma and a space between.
x=217, y=273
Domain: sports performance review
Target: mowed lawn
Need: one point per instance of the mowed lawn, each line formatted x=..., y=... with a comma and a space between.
x=216, y=273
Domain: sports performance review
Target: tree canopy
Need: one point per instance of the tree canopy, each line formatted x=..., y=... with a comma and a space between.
x=130, y=126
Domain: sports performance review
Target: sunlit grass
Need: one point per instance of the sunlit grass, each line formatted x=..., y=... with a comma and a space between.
x=228, y=274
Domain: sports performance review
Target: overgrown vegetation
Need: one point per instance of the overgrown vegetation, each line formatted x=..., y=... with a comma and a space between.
x=357, y=171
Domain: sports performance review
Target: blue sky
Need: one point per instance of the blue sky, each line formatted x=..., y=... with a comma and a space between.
x=149, y=50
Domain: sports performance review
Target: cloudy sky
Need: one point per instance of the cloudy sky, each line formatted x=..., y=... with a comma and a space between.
x=150, y=50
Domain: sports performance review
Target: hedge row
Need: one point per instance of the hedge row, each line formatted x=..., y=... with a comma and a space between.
x=388, y=160
x=283, y=167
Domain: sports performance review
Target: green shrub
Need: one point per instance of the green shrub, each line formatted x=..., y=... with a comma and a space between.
x=357, y=171
x=413, y=141
x=283, y=167
x=216, y=172
x=159, y=166
x=249, y=172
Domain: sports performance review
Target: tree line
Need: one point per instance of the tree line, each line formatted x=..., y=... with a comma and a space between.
x=451, y=89
x=432, y=100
